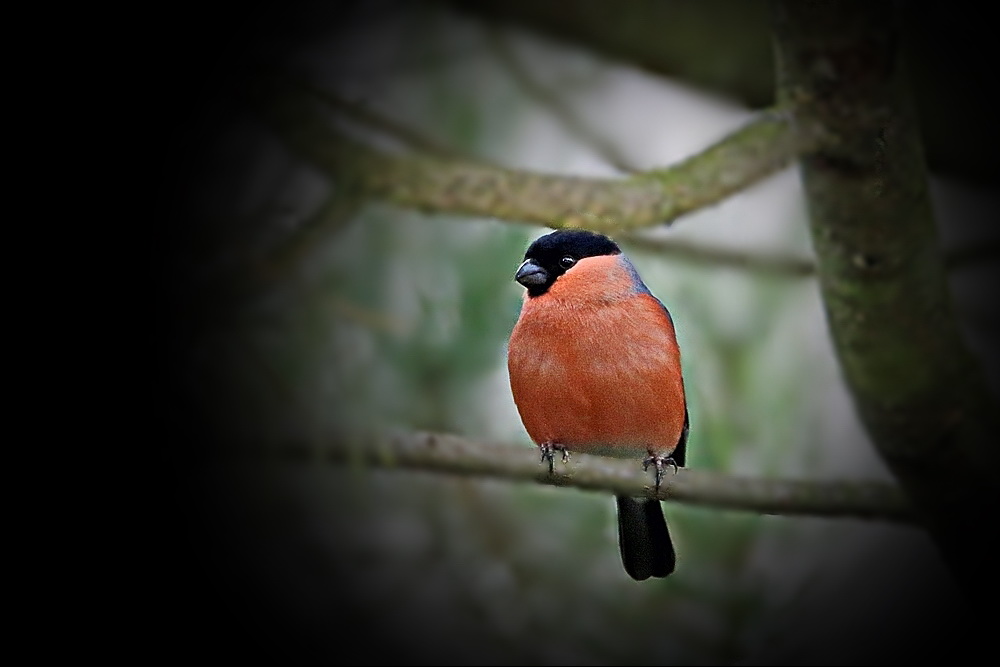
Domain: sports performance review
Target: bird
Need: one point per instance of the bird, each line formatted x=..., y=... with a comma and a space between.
x=594, y=367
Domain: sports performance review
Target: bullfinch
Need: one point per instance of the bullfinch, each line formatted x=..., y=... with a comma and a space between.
x=594, y=367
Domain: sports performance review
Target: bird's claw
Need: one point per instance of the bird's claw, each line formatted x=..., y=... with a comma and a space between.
x=548, y=454
x=660, y=463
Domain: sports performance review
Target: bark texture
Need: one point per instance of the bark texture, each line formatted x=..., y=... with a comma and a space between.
x=917, y=388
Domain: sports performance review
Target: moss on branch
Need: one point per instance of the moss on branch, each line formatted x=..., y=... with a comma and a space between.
x=919, y=391
x=435, y=184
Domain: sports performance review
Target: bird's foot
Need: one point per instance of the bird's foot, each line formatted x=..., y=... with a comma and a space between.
x=660, y=463
x=548, y=454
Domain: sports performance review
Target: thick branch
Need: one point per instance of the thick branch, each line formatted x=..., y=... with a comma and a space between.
x=429, y=183
x=687, y=251
x=455, y=455
x=917, y=388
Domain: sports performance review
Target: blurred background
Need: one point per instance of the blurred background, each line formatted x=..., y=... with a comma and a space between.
x=308, y=313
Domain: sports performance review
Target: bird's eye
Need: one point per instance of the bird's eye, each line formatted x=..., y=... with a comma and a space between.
x=567, y=262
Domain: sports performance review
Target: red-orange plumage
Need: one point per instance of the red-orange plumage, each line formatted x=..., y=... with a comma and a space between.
x=594, y=364
x=594, y=367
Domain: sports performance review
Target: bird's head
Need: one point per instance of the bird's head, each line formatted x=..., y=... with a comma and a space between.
x=554, y=254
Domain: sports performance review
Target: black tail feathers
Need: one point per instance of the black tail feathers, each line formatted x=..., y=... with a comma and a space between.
x=644, y=539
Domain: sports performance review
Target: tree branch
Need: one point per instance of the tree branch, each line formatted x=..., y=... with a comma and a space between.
x=775, y=263
x=675, y=248
x=429, y=183
x=451, y=454
x=919, y=391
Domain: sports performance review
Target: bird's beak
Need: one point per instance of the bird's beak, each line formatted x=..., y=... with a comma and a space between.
x=530, y=274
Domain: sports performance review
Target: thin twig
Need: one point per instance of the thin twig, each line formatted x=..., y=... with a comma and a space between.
x=455, y=455
x=405, y=134
x=699, y=253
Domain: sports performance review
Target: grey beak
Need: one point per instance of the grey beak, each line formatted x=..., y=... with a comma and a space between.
x=530, y=274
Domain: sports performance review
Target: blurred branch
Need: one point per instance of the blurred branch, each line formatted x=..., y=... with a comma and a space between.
x=698, y=253
x=720, y=46
x=559, y=107
x=451, y=454
x=339, y=208
x=401, y=132
x=433, y=184
x=723, y=46
x=783, y=264
x=918, y=389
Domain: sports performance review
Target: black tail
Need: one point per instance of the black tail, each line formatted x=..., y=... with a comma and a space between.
x=644, y=539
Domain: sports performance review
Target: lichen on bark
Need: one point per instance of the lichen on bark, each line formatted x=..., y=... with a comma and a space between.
x=916, y=386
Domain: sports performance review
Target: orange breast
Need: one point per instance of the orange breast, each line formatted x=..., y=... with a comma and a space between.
x=598, y=373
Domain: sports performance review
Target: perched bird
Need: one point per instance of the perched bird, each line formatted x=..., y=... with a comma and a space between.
x=594, y=367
